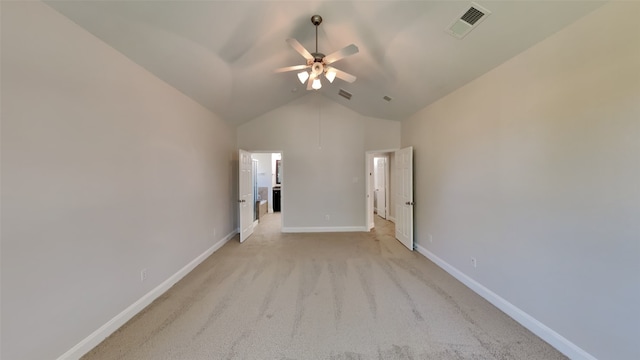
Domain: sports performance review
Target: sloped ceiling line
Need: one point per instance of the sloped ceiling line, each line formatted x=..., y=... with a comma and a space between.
x=223, y=53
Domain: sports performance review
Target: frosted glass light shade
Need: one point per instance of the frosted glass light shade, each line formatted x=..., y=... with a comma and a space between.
x=303, y=76
x=316, y=84
x=330, y=75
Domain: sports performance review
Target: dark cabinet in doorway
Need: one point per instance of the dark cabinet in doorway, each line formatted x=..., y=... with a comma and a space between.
x=276, y=199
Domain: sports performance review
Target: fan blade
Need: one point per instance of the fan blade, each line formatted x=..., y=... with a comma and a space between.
x=340, y=54
x=310, y=81
x=291, y=68
x=342, y=75
x=300, y=49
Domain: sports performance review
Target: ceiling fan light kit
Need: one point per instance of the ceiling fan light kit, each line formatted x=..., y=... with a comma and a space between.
x=318, y=62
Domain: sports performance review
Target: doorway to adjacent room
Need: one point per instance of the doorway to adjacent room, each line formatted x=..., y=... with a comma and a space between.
x=260, y=188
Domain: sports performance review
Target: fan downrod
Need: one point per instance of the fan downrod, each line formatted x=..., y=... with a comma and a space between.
x=317, y=20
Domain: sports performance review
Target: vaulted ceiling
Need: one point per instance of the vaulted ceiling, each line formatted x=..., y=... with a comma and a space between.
x=223, y=53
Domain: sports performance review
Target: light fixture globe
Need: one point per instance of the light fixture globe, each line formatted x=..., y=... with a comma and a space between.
x=303, y=76
x=316, y=85
x=330, y=75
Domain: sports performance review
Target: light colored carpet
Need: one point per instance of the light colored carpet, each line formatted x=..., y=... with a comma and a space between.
x=320, y=296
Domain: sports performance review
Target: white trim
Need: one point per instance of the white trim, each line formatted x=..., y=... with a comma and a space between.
x=372, y=152
x=114, y=324
x=323, y=229
x=547, y=334
x=392, y=219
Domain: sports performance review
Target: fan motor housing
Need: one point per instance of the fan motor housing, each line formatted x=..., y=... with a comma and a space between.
x=317, y=57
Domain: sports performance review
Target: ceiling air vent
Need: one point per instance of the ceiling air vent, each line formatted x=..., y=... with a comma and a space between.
x=344, y=94
x=470, y=18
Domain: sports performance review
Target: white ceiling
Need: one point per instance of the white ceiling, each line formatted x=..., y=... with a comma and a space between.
x=223, y=53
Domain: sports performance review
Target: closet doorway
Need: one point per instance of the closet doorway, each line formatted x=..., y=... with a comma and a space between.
x=380, y=179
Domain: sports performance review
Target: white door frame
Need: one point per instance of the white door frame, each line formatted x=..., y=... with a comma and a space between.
x=382, y=178
x=368, y=196
x=254, y=186
x=282, y=214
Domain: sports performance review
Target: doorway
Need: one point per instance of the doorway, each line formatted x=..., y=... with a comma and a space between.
x=394, y=170
x=380, y=180
x=267, y=186
x=380, y=191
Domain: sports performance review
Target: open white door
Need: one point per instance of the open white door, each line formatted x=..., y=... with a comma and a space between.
x=404, y=196
x=370, y=192
x=381, y=187
x=245, y=192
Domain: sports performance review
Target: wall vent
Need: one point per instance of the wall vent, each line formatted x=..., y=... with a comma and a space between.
x=468, y=20
x=345, y=94
x=387, y=98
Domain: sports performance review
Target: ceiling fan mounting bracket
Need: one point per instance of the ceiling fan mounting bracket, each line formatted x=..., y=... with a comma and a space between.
x=316, y=20
x=317, y=57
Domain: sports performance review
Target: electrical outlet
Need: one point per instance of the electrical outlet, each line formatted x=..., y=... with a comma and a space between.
x=143, y=275
x=473, y=262
x=327, y=217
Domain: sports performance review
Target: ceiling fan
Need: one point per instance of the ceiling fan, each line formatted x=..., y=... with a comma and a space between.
x=319, y=62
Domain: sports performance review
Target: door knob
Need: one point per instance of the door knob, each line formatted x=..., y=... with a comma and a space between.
x=409, y=203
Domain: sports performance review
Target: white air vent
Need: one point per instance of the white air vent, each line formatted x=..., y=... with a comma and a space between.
x=345, y=94
x=468, y=20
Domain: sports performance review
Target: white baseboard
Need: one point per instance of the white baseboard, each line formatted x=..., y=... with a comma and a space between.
x=392, y=219
x=114, y=324
x=323, y=229
x=544, y=332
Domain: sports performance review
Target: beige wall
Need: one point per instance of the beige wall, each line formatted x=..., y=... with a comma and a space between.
x=533, y=169
x=323, y=151
x=106, y=170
